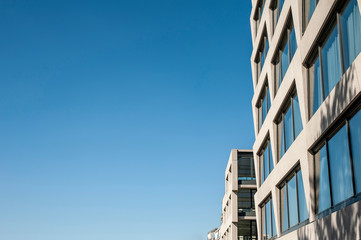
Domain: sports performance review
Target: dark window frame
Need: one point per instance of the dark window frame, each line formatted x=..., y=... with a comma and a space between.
x=333, y=22
x=284, y=184
x=323, y=141
x=287, y=106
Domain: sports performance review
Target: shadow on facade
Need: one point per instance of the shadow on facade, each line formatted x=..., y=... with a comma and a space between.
x=342, y=224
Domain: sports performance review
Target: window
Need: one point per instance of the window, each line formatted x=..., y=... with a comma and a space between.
x=337, y=166
x=289, y=125
x=266, y=161
x=293, y=201
x=277, y=8
x=268, y=220
x=336, y=55
x=263, y=105
x=247, y=230
x=245, y=169
x=286, y=50
x=261, y=54
x=309, y=7
x=245, y=201
x=258, y=14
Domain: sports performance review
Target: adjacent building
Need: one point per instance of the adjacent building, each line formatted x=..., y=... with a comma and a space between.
x=238, y=220
x=306, y=71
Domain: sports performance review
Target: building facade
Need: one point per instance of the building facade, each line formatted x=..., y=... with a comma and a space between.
x=306, y=68
x=238, y=210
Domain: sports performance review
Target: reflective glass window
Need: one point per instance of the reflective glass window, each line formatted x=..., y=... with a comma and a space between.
x=355, y=137
x=302, y=206
x=351, y=33
x=340, y=166
x=331, y=61
x=324, y=198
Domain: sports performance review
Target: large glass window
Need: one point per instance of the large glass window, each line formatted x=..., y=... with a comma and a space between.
x=262, y=53
x=264, y=105
x=309, y=7
x=245, y=201
x=293, y=201
x=268, y=220
x=266, y=161
x=337, y=165
x=245, y=169
x=286, y=51
x=355, y=137
x=247, y=230
x=289, y=125
x=332, y=61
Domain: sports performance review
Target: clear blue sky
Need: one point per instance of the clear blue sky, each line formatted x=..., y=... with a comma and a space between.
x=117, y=117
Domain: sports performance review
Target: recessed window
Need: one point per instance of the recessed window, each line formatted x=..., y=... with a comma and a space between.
x=289, y=125
x=263, y=105
x=245, y=169
x=247, y=230
x=338, y=165
x=277, y=8
x=258, y=14
x=309, y=7
x=268, y=220
x=286, y=50
x=261, y=54
x=336, y=55
x=246, y=202
x=293, y=201
x=266, y=161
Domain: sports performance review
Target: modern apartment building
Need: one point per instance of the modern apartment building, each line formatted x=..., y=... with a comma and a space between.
x=306, y=71
x=238, y=220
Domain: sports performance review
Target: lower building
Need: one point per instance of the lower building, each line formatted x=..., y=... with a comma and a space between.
x=238, y=220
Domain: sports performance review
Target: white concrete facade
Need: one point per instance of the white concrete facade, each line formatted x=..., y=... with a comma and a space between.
x=344, y=97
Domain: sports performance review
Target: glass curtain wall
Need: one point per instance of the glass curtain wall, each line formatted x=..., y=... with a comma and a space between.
x=336, y=55
x=338, y=166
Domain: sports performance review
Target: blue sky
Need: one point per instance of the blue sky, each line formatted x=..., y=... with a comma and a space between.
x=118, y=117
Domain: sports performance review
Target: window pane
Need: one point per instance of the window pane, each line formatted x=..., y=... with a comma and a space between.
x=351, y=32
x=311, y=8
x=355, y=135
x=266, y=161
x=302, y=206
x=340, y=167
x=292, y=201
x=317, y=88
x=331, y=62
x=297, y=115
x=268, y=217
x=284, y=212
x=268, y=100
x=264, y=109
x=284, y=61
x=274, y=231
x=270, y=157
x=324, y=199
x=288, y=128
x=279, y=8
x=282, y=138
x=264, y=222
x=262, y=167
x=293, y=42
